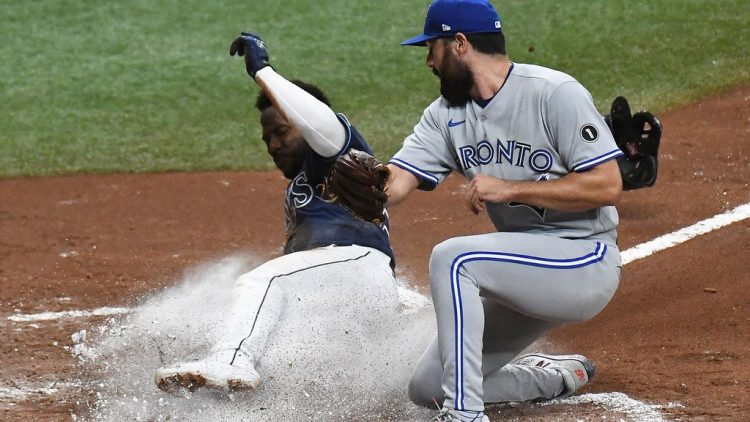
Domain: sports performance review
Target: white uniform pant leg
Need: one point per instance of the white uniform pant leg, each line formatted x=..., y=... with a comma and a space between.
x=542, y=277
x=293, y=286
x=257, y=304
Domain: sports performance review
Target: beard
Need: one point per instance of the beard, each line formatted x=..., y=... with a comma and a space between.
x=456, y=81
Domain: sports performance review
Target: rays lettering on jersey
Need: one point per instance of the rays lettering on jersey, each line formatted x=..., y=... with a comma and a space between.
x=511, y=152
x=299, y=193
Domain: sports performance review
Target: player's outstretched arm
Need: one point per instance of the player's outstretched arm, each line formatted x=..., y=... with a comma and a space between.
x=400, y=185
x=316, y=122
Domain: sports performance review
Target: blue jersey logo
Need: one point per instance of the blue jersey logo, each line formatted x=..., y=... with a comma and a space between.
x=451, y=123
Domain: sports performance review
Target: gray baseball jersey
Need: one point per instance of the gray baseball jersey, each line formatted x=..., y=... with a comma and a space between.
x=495, y=294
x=507, y=139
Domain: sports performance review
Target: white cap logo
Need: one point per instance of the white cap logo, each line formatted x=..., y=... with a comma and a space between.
x=446, y=27
x=497, y=25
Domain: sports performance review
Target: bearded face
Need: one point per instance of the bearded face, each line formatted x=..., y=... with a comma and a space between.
x=456, y=79
x=284, y=143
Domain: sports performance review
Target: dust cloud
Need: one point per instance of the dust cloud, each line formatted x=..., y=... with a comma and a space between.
x=357, y=374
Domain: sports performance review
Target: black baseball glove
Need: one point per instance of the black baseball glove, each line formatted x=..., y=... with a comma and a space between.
x=638, y=136
x=357, y=182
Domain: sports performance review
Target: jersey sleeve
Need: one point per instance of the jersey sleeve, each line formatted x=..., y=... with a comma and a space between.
x=317, y=166
x=315, y=120
x=583, y=138
x=427, y=152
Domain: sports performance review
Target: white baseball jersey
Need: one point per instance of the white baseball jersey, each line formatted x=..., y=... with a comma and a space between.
x=541, y=125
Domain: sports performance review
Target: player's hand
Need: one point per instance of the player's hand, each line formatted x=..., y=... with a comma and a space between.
x=473, y=202
x=483, y=189
x=475, y=205
x=254, y=49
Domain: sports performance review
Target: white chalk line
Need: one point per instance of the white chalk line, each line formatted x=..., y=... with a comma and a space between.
x=412, y=301
x=683, y=235
x=51, y=316
x=16, y=394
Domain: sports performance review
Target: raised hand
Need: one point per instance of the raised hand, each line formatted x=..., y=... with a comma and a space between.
x=253, y=49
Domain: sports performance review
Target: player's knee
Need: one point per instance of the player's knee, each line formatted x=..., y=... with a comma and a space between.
x=444, y=253
x=425, y=385
x=442, y=259
x=423, y=393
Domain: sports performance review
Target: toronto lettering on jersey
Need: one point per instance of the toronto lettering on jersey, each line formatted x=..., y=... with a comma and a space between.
x=511, y=152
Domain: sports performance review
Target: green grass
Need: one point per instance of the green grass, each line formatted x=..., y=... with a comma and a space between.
x=145, y=86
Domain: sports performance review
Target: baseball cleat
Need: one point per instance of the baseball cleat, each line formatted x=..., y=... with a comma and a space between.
x=576, y=370
x=212, y=372
x=452, y=415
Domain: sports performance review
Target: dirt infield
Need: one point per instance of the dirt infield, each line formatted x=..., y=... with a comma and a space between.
x=676, y=332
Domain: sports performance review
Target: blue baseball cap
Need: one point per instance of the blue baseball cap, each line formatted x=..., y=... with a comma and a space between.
x=448, y=17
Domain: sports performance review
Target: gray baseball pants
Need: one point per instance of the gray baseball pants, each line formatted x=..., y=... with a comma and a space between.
x=494, y=295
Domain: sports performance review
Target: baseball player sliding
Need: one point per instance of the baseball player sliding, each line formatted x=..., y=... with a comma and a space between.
x=329, y=250
x=541, y=162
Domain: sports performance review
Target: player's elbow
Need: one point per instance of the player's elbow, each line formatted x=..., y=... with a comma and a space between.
x=612, y=191
x=609, y=183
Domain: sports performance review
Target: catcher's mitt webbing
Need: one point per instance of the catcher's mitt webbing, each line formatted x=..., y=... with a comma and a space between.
x=357, y=182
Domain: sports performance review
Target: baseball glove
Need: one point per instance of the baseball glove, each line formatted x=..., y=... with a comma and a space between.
x=638, y=136
x=357, y=181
